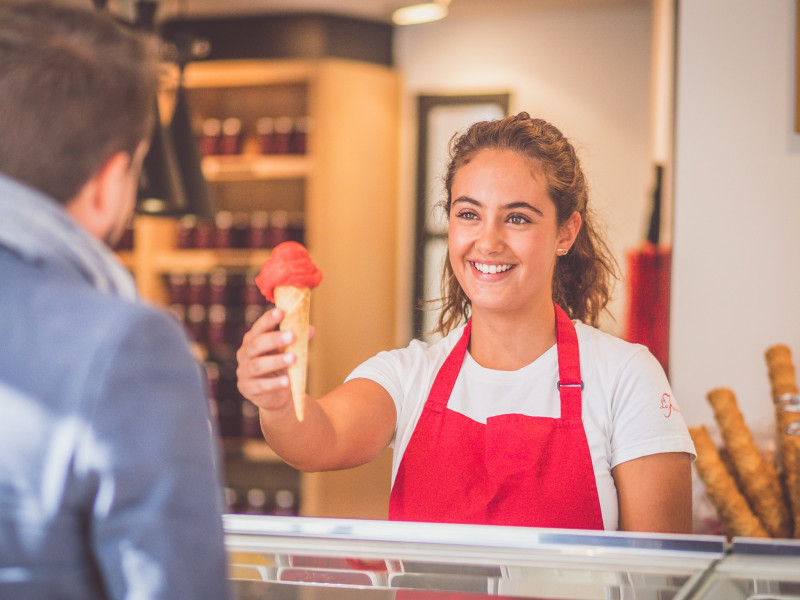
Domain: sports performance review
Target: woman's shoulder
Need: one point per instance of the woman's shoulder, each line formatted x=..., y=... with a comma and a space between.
x=612, y=352
x=592, y=336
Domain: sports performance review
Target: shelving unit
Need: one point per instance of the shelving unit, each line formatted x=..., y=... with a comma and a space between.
x=345, y=188
x=255, y=167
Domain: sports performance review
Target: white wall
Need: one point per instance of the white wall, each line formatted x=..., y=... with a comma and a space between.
x=584, y=66
x=736, y=272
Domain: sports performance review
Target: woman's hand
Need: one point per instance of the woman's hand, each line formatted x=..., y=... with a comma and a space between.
x=347, y=427
x=261, y=371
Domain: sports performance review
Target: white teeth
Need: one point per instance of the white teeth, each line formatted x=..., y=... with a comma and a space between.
x=491, y=268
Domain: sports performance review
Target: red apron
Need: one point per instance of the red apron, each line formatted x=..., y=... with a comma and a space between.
x=514, y=470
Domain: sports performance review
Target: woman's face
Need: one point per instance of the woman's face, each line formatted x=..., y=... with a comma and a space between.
x=503, y=233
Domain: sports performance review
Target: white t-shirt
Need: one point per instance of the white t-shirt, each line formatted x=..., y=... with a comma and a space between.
x=627, y=405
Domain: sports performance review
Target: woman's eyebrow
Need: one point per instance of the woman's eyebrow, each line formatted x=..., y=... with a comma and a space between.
x=513, y=205
x=468, y=200
x=509, y=206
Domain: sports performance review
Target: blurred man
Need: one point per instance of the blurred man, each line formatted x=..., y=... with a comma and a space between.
x=108, y=480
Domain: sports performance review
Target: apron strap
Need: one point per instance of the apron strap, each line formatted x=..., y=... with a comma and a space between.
x=569, y=383
x=447, y=375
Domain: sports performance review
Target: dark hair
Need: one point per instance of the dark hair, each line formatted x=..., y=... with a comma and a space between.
x=75, y=88
x=582, y=278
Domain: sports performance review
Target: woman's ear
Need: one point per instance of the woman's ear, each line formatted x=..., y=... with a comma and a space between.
x=569, y=231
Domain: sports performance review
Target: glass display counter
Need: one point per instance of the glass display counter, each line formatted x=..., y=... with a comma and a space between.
x=755, y=569
x=333, y=559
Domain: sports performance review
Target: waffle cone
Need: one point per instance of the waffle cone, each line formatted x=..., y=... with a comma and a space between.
x=736, y=515
x=780, y=370
x=791, y=449
x=296, y=304
x=758, y=478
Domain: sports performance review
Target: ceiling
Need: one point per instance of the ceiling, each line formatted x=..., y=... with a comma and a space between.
x=368, y=9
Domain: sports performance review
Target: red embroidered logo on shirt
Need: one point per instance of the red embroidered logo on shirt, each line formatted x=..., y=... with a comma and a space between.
x=667, y=406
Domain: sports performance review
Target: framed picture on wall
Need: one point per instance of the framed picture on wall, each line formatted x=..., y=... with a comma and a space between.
x=439, y=119
x=797, y=69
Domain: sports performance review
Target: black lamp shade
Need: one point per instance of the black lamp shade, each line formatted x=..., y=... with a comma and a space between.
x=188, y=158
x=160, y=188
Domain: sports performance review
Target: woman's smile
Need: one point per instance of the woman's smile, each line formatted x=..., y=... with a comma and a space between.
x=486, y=268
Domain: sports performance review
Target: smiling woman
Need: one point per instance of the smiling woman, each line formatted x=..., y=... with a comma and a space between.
x=522, y=414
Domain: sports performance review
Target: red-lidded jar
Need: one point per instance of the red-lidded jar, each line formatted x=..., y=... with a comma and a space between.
x=210, y=137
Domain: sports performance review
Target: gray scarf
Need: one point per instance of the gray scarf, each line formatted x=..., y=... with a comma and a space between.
x=40, y=230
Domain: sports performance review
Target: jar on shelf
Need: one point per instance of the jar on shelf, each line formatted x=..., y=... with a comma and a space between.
x=178, y=288
x=231, y=140
x=278, y=227
x=186, y=229
x=204, y=234
x=251, y=295
x=257, y=502
x=217, y=336
x=299, y=137
x=297, y=227
x=210, y=137
x=285, y=503
x=239, y=230
x=197, y=323
x=251, y=425
x=223, y=229
x=197, y=289
x=282, y=136
x=258, y=230
x=265, y=132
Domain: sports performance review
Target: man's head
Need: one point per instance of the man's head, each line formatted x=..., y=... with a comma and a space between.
x=76, y=90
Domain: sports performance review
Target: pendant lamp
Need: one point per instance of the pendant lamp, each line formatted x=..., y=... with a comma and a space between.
x=423, y=12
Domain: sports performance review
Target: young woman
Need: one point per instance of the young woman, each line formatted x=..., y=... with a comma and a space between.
x=523, y=413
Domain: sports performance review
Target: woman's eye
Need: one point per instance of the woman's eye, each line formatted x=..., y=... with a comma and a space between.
x=466, y=214
x=518, y=219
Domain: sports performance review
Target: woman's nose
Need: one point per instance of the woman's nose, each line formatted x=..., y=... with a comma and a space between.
x=489, y=239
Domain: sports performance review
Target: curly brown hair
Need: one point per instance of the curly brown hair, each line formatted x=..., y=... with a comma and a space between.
x=582, y=279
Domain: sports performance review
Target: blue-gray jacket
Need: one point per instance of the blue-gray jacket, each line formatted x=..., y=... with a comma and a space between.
x=109, y=486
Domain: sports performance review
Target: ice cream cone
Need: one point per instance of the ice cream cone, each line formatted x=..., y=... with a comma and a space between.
x=296, y=303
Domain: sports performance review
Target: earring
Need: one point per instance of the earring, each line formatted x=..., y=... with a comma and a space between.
x=562, y=251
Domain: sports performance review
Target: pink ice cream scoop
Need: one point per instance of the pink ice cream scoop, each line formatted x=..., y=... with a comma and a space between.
x=288, y=265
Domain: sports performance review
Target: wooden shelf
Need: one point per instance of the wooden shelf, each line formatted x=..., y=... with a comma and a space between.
x=255, y=167
x=248, y=72
x=251, y=450
x=193, y=260
x=206, y=260
x=346, y=189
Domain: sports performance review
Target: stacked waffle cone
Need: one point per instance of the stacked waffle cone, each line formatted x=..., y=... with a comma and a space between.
x=784, y=390
x=734, y=512
x=295, y=302
x=758, y=478
x=753, y=496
